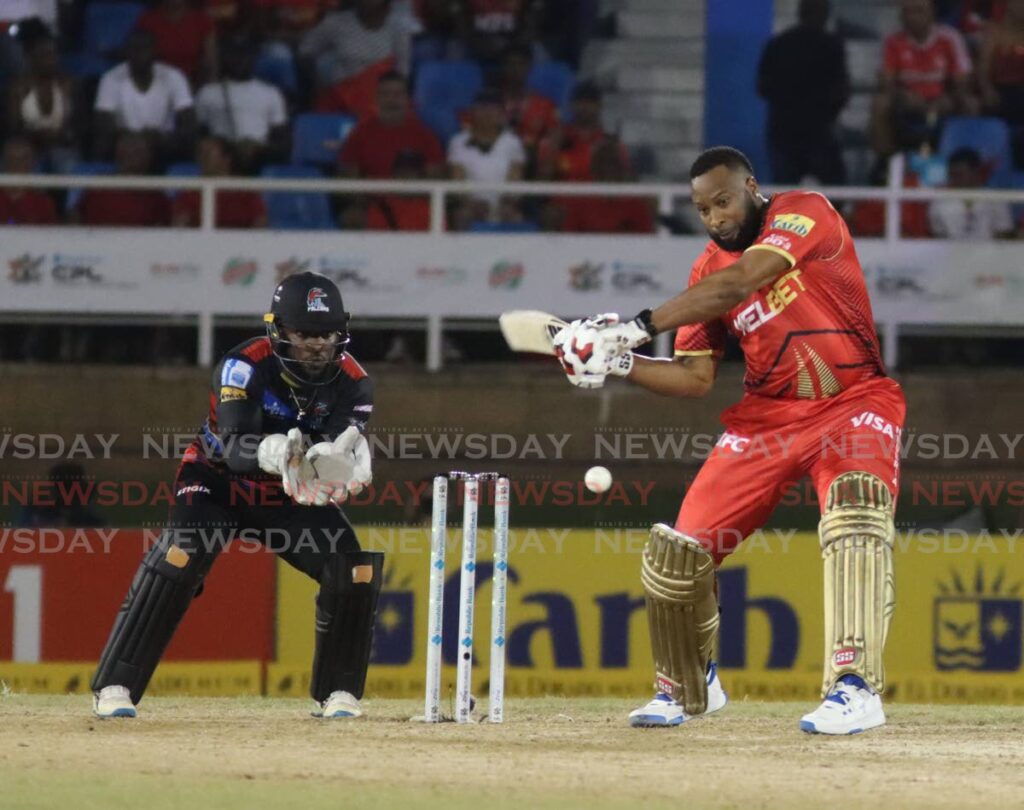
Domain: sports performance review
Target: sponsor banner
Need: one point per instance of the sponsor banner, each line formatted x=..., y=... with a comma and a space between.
x=61, y=589
x=201, y=679
x=577, y=625
x=412, y=275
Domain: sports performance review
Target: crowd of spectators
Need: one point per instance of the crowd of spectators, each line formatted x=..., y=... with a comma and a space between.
x=950, y=96
x=216, y=87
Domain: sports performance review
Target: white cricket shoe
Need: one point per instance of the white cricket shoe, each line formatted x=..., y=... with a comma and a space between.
x=850, y=708
x=340, y=704
x=113, y=701
x=663, y=711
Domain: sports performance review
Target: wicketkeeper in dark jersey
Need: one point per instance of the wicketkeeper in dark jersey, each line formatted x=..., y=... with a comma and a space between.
x=782, y=276
x=249, y=469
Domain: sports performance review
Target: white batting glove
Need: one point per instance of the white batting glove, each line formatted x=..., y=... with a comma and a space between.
x=579, y=348
x=283, y=456
x=343, y=466
x=617, y=336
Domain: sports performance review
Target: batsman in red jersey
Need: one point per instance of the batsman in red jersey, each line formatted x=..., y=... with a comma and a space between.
x=782, y=276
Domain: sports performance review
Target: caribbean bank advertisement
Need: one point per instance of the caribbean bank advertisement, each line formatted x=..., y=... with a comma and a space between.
x=576, y=624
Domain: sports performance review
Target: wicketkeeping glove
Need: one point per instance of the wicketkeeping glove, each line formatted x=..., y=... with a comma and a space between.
x=342, y=465
x=283, y=455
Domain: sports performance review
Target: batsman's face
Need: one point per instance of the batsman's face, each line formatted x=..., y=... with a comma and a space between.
x=315, y=350
x=729, y=207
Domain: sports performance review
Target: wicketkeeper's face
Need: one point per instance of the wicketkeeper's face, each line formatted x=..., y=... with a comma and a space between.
x=315, y=350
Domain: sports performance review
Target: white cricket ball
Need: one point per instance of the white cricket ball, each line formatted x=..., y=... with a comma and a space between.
x=598, y=479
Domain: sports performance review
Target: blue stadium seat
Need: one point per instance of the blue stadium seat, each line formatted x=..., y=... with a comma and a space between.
x=89, y=169
x=553, y=80
x=276, y=65
x=296, y=210
x=317, y=138
x=989, y=136
x=107, y=26
x=442, y=90
x=183, y=169
x=503, y=227
x=83, y=65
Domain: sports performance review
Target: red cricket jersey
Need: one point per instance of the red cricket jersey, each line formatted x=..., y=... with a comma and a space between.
x=810, y=334
x=925, y=68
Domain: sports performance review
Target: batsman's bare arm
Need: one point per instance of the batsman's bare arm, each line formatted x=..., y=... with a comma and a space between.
x=719, y=292
x=677, y=377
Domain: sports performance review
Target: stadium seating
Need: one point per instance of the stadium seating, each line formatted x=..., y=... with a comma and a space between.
x=442, y=90
x=276, y=65
x=90, y=169
x=553, y=80
x=989, y=136
x=317, y=138
x=183, y=169
x=107, y=26
x=296, y=210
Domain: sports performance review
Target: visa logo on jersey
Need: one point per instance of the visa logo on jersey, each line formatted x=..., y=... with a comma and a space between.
x=872, y=420
x=794, y=223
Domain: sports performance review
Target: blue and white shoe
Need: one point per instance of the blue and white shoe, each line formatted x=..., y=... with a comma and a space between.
x=663, y=711
x=339, y=705
x=113, y=701
x=850, y=708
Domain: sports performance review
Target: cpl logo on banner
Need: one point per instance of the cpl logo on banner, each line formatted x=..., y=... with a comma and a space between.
x=76, y=269
x=978, y=627
x=506, y=275
x=626, y=277
x=25, y=269
x=240, y=270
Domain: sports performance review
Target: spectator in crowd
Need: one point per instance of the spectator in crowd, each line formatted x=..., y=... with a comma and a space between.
x=226, y=15
x=976, y=15
x=401, y=212
x=867, y=217
x=126, y=207
x=287, y=21
x=233, y=208
x=67, y=504
x=371, y=35
x=142, y=95
x=802, y=114
x=23, y=206
x=245, y=111
x=488, y=27
x=926, y=76
x=43, y=105
x=565, y=154
x=183, y=37
x=1001, y=73
x=530, y=115
x=487, y=152
x=969, y=219
x=373, y=145
x=608, y=214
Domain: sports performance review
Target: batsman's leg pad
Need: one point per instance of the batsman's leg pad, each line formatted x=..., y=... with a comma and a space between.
x=157, y=599
x=678, y=576
x=856, y=533
x=346, y=608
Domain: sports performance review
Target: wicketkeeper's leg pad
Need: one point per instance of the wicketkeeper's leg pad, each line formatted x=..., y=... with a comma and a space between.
x=856, y=531
x=346, y=608
x=678, y=576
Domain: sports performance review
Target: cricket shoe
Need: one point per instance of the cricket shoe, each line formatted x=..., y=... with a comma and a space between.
x=663, y=711
x=338, y=705
x=850, y=708
x=113, y=701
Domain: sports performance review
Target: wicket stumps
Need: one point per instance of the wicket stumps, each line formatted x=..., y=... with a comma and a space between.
x=467, y=591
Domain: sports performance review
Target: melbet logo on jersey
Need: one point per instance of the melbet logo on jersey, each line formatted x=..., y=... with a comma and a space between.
x=240, y=270
x=978, y=624
x=794, y=223
x=25, y=269
x=506, y=275
x=316, y=301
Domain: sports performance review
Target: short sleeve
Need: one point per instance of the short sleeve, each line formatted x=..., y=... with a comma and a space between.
x=804, y=226
x=516, y=153
x=204, y=104
x=960, y=57
x=181, y=95
x=277, y=113
x=106, y=95
x=697, y=339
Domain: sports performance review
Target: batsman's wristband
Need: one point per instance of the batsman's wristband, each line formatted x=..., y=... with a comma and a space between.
x=643, y=320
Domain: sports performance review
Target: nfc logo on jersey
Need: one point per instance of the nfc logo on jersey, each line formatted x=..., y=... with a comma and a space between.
x=794, y=223
x=733, y=442
x=236, y=373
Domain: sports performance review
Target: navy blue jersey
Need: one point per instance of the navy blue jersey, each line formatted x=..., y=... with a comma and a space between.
x=252, y=396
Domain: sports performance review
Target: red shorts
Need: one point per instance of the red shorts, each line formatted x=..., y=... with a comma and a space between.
x=770, y=444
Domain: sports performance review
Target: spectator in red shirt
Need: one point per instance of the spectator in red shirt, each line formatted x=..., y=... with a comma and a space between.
x=288, y=20
x=926, y=76
x=530, y=115
x=608, y=214
x=566, y=153
x=182, y=37
x=234, y=209
x=1001, y=73
x=374, y=143
x=126, y=207
x=401, y=212
x=23, y=206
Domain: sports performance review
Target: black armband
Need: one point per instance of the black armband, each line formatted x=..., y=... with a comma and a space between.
x=645, y=323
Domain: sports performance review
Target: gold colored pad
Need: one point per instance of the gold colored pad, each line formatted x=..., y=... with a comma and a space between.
x=682, y=613
x=856, y=532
